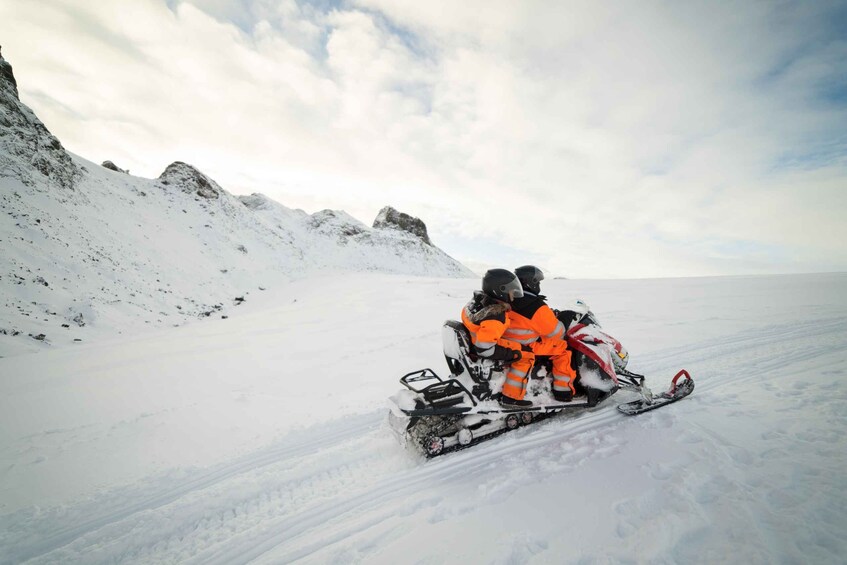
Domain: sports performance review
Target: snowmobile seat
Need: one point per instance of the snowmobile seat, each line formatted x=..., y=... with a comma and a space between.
x=461, y=357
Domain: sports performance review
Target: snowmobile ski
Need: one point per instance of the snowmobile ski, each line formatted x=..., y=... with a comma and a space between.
x=678, y=391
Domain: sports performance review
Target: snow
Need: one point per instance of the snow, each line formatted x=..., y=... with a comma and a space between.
x=130, y=253
x=262, y=438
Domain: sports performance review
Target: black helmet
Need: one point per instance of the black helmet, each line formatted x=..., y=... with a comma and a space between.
x=501, y=284
x=530, y=277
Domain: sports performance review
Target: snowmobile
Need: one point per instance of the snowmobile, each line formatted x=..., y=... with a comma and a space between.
x=438, y=415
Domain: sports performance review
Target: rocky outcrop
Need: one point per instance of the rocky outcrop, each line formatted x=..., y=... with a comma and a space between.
x=27, y=148
x=111, y=166
x=336, y=222
x=7, y=77
x=256, y=201
x=389, y=218
x=188, y=179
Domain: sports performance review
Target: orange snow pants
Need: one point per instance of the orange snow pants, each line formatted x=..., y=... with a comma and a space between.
x=517, y=375
x=563, y=374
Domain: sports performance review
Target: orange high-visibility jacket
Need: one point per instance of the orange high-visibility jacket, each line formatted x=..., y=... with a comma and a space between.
x=530, y=319
x=486, y=321
x=534, y=324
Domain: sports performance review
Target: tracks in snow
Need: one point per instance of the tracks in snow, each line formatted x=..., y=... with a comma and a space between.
x=125, y=507
x=339, y=479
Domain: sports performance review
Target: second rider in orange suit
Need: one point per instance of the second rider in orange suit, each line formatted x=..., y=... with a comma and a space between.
x=532, y=323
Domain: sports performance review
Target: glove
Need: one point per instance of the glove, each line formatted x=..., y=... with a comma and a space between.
x=518, y=354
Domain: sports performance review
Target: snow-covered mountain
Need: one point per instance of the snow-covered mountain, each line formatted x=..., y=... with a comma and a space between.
x=89, y=250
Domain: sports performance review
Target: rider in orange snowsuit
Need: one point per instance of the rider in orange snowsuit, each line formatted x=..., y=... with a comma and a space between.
x=486, y=318
x=532, y=323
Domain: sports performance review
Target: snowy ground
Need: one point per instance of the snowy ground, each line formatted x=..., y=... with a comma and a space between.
x=262, y=438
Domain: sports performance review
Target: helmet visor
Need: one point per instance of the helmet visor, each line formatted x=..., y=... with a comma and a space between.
x=539, y=275
x=530, y=275
x=512, y=289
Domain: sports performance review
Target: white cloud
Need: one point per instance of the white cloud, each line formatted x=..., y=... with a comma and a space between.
x=603, y=140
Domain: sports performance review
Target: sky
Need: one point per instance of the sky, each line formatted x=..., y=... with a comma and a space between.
x=597, y=140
